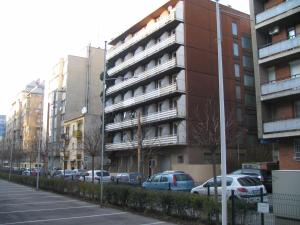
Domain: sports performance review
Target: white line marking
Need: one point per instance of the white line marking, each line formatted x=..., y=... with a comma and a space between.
x=65, y=218
x=38, y=203
x=40, y=210
x=152, y=223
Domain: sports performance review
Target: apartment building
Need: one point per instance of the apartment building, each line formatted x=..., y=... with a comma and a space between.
x=275, y=26
x=24, y=125
x=2, y=126
x=74, y=107
x=161, y=70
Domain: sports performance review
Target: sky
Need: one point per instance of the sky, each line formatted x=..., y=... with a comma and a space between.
x=35, y=34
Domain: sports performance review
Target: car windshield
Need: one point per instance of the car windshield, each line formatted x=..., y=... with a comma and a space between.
x=105, y=174
x=249, y=181
x=182, y=177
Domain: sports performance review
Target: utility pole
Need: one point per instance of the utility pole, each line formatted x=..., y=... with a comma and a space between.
x=47, y=139
x=103, y=123
x=38, y=163
x=222, y=116
x=52, y=130
x=139, y=142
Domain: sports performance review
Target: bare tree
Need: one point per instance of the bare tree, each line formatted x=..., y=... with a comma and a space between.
x=206, y=131
x=92, y=144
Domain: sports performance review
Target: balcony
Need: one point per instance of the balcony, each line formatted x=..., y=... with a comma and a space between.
x=142, y=55
x=142, y=77
x=141, y=35
x=281, y=88
x=155, y=117
x=277, y=10
x=161, y=92
x=282, y=128
x=285, y=47
x=154, y=142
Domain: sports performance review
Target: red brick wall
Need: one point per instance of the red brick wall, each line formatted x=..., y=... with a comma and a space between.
x=272, y=3
x=286, y=156
x=282, y=71
x=282, y=35
x=284, y=110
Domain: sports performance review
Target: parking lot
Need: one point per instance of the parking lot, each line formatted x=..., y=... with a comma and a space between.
x=24, y=205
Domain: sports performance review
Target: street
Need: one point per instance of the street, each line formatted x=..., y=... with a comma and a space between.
x=24, y=205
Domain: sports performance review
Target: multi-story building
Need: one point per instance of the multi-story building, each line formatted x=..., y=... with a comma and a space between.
x=24, y=125
x=74, y=107
x=2, y=126
x=275, y=26
x=163, y=68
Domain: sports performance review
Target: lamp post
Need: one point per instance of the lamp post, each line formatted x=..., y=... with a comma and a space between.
x=38, y=164
x=222, y=116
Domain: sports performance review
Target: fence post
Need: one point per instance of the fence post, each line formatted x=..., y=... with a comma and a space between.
x=262, y=218
x=84, y=178
x=233, y=207
x=209, y=214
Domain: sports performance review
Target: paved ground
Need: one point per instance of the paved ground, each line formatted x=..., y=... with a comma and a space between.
x=24, y=205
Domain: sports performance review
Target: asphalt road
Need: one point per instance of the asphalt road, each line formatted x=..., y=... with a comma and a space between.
x=24, y=205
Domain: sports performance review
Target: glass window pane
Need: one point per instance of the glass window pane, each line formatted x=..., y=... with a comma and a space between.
x=249, y=100
x=248, y=80
x=297, y=109
x=237, y=70
x=235, y=49
x=271, y=74
x=234, y=29
x=238, y=92
x=246, y=42
x=247, y=61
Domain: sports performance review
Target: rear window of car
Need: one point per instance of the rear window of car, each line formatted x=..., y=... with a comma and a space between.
x=105, y=174
x=182, y=177
x=249, y=181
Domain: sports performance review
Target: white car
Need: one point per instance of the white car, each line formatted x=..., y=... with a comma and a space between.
x=97, y=176
x=245, y=187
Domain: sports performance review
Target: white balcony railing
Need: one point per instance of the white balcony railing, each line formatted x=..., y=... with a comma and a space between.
x=154, y=117
x=158, y=141
x=279, y=47
x=143, y=76
x=141, y=35
x=143, y=98
x=280, y=86
x=277, y=10
x=282, y=126
x=142, y=55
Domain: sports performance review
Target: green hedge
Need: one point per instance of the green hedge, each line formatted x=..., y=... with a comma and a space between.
x=162, y=203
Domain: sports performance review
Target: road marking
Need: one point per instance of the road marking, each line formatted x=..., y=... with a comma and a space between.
x=40, y=210
x=64, y=218
x=153, y=223
x=38, y=203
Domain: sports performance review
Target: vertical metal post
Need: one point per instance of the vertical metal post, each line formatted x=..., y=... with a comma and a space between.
x=139, y=142
x=11, y=154
x=222, y=116
x=233, y=207
x=103, y=123
x=262, y=218
x=52, y=130
x=39, y=160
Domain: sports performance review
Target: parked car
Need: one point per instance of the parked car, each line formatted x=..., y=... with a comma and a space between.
x=244, y=187
x=26, y=172
x=133, y=178
x=265, y=176
x=66, y=174
x=170, y=180
x=79, y=173
x=97, y=176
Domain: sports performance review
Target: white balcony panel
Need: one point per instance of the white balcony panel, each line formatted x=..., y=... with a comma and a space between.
x=282, y=126
x=169, y=114
x=158, y=141
x=283, y=87
x=141, y=35
x=144, y=54
x=279, y=47
x=141, y=77
x=277, y=10
x=142, y=98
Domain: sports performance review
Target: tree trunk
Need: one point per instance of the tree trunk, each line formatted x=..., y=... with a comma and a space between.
x=213, y=161
x=93, y=168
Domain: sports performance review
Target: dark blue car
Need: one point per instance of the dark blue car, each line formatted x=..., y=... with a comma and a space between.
x=170, y=180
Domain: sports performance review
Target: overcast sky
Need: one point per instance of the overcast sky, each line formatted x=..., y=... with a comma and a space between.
x=36, y=33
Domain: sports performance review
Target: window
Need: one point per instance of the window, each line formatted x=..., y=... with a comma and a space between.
x=247, y=61
x=234, y=29
x=180, y=159
x=297, y=109
x=295, y=68
x=248, y=80
x=291, y=32
x=164, y=179
x=235, y=49
x=251, y=140
x=271, y=74
x=250, y=100
x=160, y=129
x=239, y=114
x=297, y=149
x=237, y=70
x=159, y=107
x=238, y=92
x=246, y=42
x=156, y=178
